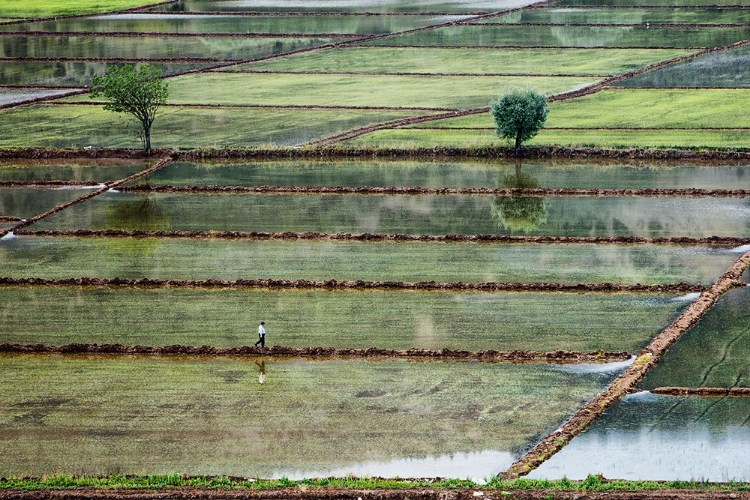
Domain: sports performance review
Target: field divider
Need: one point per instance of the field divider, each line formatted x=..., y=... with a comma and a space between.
x=157, y=34
x=403, y=73
x=48, y=183
x=719, y=241
x=703, y=391
x=488, y=356
x=96, y=192
x=625, y=383
x=415, y=190
x=614, y=25
x=333, y=284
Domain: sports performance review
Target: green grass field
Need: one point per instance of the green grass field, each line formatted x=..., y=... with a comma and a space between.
x=355, y=90
x=54, y=8
x=100, y=414
x=465, y=60
x=342, y=319
x=28, y=256
x=67, y=126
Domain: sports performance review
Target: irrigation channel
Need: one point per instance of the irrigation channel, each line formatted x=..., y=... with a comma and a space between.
x=449, y=317
x=416, y=368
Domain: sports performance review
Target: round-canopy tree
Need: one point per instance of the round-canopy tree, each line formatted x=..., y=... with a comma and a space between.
x=519, y=113
x=138, y=91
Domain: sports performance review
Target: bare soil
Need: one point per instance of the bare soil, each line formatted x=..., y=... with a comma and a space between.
x=325, y=352
x=717, y=241
x=355, y=285
x=703, y=391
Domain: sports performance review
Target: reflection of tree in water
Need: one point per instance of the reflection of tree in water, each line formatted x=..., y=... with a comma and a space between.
x=520, y=213
x=142, y=214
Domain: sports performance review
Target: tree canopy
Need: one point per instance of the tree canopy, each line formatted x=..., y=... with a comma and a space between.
x=138, y=91
x=519, y=114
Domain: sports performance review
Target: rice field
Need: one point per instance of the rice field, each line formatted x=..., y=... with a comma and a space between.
x=534, y=270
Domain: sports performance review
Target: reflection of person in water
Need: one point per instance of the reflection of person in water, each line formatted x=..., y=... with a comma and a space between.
x=261, y=371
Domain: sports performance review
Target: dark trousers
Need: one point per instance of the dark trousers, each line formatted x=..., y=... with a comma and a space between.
x=261, y=341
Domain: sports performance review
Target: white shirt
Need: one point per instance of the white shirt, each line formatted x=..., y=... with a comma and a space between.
x=261, y=330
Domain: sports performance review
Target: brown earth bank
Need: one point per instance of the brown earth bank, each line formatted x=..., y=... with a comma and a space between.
x=625, y=382
x=47, y=183
x=517, y=356
x=715, y=241
x=648, y=192
x=354, y=494
x=338, y=152
x=615, y=25
x=702, y=391
x=356, y=285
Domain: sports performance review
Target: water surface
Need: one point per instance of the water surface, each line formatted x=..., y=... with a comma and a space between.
x=56, y=170
x=28, y=256
x=97, y=414
x=26, y=202
x=700, y=439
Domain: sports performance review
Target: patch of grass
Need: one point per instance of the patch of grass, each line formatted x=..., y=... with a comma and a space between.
x=356, y=319
x=54, y=8
x=28, y=256
x=61, y=481
x=212, y=416
x=464, y=60
x=64, y=126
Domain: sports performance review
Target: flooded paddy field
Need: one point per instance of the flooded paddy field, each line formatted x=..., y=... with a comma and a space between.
x=450, y=174
x=442, y=60
x=714, y=353
x=26, y=202
x=229, y=24
x=418, y=6
x=570, y=36
x=211, y=265
x=687, y=438
x=176, y=50
x=341, y=319
x=412, y=215
x=604, y=14
x=69, y=73
x=97, y=414
x=93, y=171
x=165, y=258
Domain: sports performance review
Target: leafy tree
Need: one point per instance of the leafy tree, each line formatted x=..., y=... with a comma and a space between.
x=519, y=113
x=138, y=91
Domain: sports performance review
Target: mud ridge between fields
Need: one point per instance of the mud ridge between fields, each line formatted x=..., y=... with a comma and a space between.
x=717, y=241
x=613, y=25
x=703, y=391
x=625, y=383
x=401, y=73
x=339, y=152
x=648, y=192
x=518, y=356
x=96, y=192
x=48, y=183
x=329, y=493
x=353, y=285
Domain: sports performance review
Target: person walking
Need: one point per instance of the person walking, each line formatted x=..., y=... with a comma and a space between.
x=261, y=334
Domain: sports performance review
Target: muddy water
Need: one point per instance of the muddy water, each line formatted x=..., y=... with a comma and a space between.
x=432, y=215
x=266, y=418
x=16, y=96
x=659, y=437
x=454, y=174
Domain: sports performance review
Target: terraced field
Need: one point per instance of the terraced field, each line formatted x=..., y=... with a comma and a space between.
x=427, y=316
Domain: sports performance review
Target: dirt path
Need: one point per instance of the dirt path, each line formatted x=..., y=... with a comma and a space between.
x=489, y=356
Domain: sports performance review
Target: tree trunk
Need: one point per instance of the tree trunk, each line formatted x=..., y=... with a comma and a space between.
x=147, y=140
x=518, y=144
